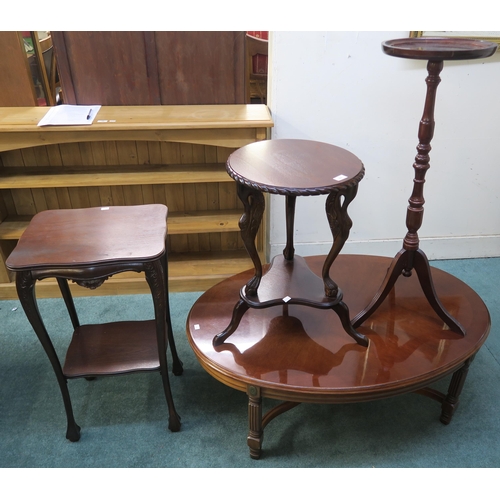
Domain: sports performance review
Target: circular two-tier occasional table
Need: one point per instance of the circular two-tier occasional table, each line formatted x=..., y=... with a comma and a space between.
x=293, y=168
x=299, y=354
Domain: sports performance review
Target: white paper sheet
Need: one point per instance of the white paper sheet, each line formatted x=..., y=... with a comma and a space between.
x=68, y=114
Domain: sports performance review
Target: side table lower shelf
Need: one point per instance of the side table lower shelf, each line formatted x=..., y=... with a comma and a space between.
x=112, y=348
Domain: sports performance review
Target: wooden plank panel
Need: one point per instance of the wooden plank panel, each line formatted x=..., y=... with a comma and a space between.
x=71, y=155
x=51, y=198
x=99, y=195
x=105, y=196
x=127, y=152
x=170, y=153
x=201, y=198
x=63, y=198
x=159, y=194
x=41, y=156
x=142, y=153
x=110, y=153
x=154, y=153
x=15, y=76
x=39, y=200
x=3, y=209
x=23, y=201
x=188, y=154
x=94, y=197
x=174, y=194
x=133, y=195
x=79, y=197
x=98, y=153
x=148, y=194
x=6, y=276
x=228, y=201
x=213, y=197
x=119, y=76
x=201, y=67
x=8, y=201
x=117, y=196
x=54, y=155
x=128, y=155
x=86, y=153
x=29, y=158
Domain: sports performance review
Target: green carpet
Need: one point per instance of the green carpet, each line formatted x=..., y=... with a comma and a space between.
x=124, y=418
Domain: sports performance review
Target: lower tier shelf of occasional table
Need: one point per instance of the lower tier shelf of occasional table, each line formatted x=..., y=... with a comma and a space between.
x=112, y=348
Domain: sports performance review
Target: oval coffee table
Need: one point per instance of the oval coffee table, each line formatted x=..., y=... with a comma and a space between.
x=289, y=353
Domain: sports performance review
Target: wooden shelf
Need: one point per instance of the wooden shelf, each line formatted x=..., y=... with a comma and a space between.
x=122, y=175
x=133, y=155
x=215, y=221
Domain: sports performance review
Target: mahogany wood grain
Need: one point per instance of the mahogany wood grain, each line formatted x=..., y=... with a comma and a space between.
x=132, y=68
x=293, y=168
x=16, y=81
x=299, y=354
x=435, y=50
x=439, y=48
x=87, y=246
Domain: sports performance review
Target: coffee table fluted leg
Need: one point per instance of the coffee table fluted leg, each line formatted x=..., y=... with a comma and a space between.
x=255, y=428
x=451, y=400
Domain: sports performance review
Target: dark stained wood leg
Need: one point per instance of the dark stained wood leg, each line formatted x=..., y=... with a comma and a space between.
x=451, y=400
x=340, y=225
x=255, y=428
x=278, y=410
x=403, y=263
x=177, y=368
x=253, y=201
x=343, y=312
x=68, y=300
x=410, y=256
x=423, y=270
x=239, y=310
x=156, y=279
x=25, y=285
x=290, y=203
x=397, y=266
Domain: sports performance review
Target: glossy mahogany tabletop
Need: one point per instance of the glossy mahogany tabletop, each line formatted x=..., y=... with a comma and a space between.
x=99, y=234
x=303, y=354
x=306, y=167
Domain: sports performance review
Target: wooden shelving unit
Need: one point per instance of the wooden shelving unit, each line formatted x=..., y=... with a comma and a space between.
x=173, y=155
